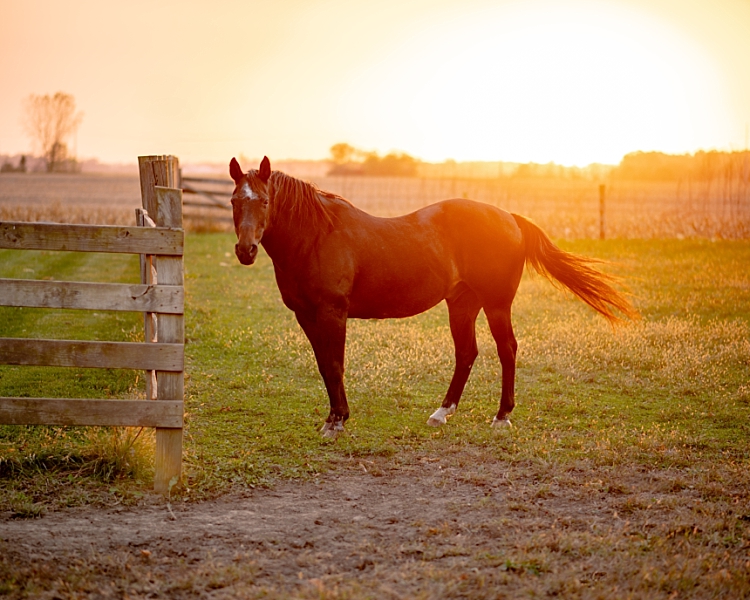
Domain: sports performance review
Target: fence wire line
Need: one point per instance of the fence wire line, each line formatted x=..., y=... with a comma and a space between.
x=565, y=208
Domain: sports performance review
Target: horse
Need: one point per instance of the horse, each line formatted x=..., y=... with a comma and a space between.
x=334, y=262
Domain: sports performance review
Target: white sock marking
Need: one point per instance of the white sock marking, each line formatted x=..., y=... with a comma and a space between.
x=501, y=423
x=440, y=416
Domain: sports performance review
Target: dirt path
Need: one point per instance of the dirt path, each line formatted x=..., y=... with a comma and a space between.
x=429, y=530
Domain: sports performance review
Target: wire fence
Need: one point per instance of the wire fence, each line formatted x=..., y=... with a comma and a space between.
x=699, y=205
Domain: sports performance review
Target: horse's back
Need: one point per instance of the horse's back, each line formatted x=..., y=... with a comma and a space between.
x=407, y=264
x=461, y=218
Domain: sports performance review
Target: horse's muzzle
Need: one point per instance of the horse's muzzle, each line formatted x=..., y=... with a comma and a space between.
x=246, y=256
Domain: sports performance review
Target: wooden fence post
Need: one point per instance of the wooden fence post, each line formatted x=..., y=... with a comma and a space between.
x=159, y=177
x=156, y=170
x=602, y=213
x=148, y=276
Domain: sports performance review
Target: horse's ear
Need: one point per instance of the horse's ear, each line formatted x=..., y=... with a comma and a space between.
x=265, y=170
x=235, y=171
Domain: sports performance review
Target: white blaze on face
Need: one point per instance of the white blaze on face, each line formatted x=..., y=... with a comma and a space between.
x=248, y=193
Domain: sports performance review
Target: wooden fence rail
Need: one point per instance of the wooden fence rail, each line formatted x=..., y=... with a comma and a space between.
x=159, y=239
x=90, y=238
x=93, y=296
x=211, y=198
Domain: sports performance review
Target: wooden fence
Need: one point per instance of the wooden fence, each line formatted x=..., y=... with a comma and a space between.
x=159, y=239
x=209, y=205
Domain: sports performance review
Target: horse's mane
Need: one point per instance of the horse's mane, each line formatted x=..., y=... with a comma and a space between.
x=300, y=200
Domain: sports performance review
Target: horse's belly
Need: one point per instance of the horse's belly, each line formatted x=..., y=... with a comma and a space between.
x=390, y=310
x=396, y=296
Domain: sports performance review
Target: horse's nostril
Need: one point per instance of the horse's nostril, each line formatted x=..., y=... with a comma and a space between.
x=251, y=249
x=246, y=253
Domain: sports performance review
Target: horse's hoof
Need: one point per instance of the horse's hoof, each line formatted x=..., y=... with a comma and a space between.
x=332, y=430
x=440, y=416
x=501, y=423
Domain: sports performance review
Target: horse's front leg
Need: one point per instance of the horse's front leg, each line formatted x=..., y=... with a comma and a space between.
x=325, y=327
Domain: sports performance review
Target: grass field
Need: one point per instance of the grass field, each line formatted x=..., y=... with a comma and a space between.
x=687, y=358
x=669, y=394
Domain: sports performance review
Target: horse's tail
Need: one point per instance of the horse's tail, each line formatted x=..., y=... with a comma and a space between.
x=575, y=273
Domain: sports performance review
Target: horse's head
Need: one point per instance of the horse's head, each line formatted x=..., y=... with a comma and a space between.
x=250, y=208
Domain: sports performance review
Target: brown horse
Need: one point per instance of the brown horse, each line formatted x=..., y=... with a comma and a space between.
x=334, y=261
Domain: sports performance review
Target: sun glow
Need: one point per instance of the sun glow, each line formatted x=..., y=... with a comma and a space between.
x=545, y=84
x=569, y=81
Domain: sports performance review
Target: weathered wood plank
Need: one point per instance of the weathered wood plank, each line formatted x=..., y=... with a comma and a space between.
x=156, y=170
x=91, y=238
x=168, y=207
x=211, y=206
x=92, y=296
x=215, y=202
x=167, y=459
x=148, y=277
x=207, y=180
x=170, y=329
x=79, y=411
x=76, y=353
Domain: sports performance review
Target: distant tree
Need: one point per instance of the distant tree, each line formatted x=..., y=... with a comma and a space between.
x=343, y=153
x=50, y=121
x=347, y=160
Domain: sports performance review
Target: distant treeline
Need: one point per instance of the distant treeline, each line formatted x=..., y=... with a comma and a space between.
x=643, y=166
x=348, y=160
x=25, y=163
x=500, y=169
x=701, y=166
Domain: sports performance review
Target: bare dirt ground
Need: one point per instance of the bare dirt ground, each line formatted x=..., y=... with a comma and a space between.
x=424, y=528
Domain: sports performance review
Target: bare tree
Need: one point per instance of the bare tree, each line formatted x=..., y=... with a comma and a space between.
x=50, y=121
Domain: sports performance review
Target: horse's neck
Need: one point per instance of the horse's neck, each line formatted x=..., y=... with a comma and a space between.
x=290, y=243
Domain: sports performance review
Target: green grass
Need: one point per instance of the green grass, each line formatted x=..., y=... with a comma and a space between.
x=672, y=389
x=69, y=466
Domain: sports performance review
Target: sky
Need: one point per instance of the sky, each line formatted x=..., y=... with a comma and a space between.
x=567, y=81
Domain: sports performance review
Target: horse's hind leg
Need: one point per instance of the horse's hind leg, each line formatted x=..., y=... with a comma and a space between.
x=502, y=331
x=462, y=311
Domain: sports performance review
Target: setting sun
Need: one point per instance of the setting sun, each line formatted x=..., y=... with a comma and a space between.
x=544, y=83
